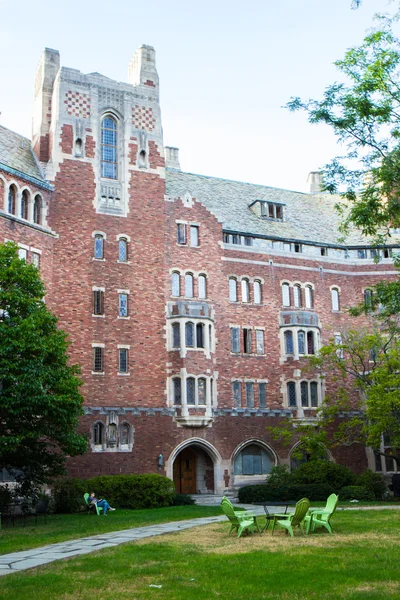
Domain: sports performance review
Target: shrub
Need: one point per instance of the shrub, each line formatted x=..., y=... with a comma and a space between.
x=182, y=500
x=374, y=482
x=264, y=493
x=356, y=492
x=68, y=495
x=279, y=476
x=5, y=497
x=324, y=472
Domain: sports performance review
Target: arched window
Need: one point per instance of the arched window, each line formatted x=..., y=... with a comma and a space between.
x=285, y=294
x=200, y=335
x=288, y=335
x=257, y=292
x=201, y=391
x=202, y=281
x=98, y=246
x=176, y=335
x=37, y=210
x=12, y=199
x=124, y=434
x=98, y=434
x=189, y=285
x=177, y=390
x=297, y=296
x=176, y=284
x=301, y=342
x=232, y=290
x=24, y=205
x=189, y=335
x=190, y=390
x=308, y=296
x=122, y=249
x=109, y=148
x=253, y=460
x=335, y=299
x=310, y=343
x=291, y=393
x=245, y=290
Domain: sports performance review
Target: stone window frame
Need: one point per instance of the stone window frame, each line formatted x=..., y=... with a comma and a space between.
x=245, y=340
x=176, y=281
x=127, y=239
x=98, y=356
x=112, y=420
x=121, y=347
x=294, y=331
x=180, y=323
x=305, y=299
x=108, y=114
x=184, y=230
x=30, y=195
x=298, y=385
x=242, y=281
x=183, y=377
x=99, y=235
x=264, y=447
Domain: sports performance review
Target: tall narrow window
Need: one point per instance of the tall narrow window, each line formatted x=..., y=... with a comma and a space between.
x=177, y=391
x=35, y=258
x=285, y=294
x=98, y=246
x=247, y=341
x=288, y=336
x=235, y=339
x=124, y=434
x=122, y=250
x=245, y=290
x=176, y=285
x=260, y=341
x=200, y=335
x=123, y=305
x=262, y=395
x=368, y=298
x=335, y=299
x=24, y=205
x=250, y=395
x=291, y=393
x=189, y=335
x=98, y=302
x=37, y=210
x=201, y=391
x=123, y=360
x=232, y=290
x=297, y=296
x=181, y=233
x=12, y=199
x=202, y=282
x=314, y=393
x=98, y=359
x=257, y=292
x=237, y=394
x=304, y=393
x=176, y=335
x=308, y=296
x=194, y=235
x=190, y=390
x=189, y=285
x=210, y=336
x=310, y=343
x=98, y=434
x=301, y=342
x=109, y=148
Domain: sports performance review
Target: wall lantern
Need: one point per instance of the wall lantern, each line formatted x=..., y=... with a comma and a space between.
x=160, y=461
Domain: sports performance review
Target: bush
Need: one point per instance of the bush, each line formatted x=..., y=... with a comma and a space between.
x=182, y=500
x=264, y=493
x=324, y=472
x=374, y=482
x=5, y=497
x=122, y=491
x=356, y=492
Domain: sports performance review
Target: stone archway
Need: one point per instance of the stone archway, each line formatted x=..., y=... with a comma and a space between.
x=194, y=467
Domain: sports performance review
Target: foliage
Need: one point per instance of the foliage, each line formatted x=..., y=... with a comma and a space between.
x=5, y=497
x=40, y=401
x=374, y=483
x=364, y=114
x=182, y=500
x=356, y=492
x=291, y=492
x=121, y=491
x=323, y=472
x=279, y=476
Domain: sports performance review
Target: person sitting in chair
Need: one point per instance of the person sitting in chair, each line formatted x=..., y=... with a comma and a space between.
x=100, y=502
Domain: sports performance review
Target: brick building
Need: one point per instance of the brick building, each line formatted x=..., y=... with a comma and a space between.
x=191, y=302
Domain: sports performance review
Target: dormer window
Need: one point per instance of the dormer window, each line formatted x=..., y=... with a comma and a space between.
x=271, y=210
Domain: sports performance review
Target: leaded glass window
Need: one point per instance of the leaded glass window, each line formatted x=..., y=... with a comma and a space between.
x=235, y=339
x=37, y=210
x=291, y=392
x=177, y=391
x=250, y=395
x=176, y=335
x=98, y=246
x=176, y=287
x=262, y=394
x=190, y=390
x=285, y=294
x=288, y=336
x=123, y=305
x=200, y=335
x=237, y=394
x=189, y=285
x=189, y=335
x=123, y=360
x=301, y=341
x=109, y=148
x=314, y=393
x=260, y=341
x=304, y=393
x=201, y=391
x=122, y=250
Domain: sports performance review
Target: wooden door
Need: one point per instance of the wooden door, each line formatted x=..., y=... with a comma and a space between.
x=185, y=472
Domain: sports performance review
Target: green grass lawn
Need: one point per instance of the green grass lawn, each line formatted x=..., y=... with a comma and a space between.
x=359, y=562
x=60, y=528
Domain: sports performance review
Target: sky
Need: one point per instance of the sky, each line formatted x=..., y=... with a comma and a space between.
x=227, y=68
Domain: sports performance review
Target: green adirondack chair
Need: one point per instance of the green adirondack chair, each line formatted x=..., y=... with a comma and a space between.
x=294, y=519
x=241, y=520
x=321, y=518
x=99, y=509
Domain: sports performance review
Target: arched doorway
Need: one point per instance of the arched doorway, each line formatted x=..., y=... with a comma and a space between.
x=193, y=469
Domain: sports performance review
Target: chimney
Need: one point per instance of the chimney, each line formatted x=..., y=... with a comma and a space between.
x=172, y=157
x=46, y=73
x=142, y=68
x=315, y=180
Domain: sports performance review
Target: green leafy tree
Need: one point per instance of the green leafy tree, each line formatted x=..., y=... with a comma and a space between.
x=40, y=403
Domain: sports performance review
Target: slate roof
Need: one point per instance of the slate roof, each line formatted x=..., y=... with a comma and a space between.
x=308, y=217
x=16, y=152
